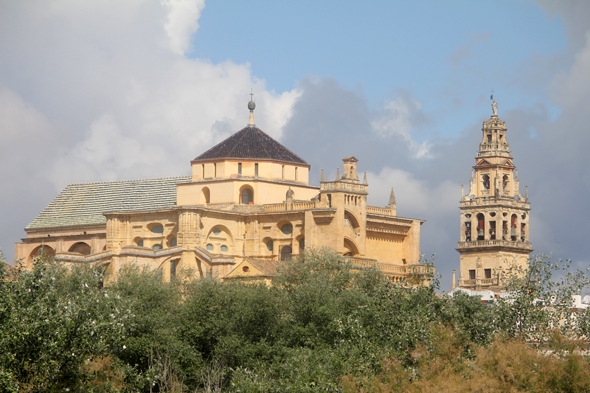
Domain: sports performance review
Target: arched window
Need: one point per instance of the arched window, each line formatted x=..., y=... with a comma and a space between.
x=209, y=247
x=247, y=197
x=81, y=248
x=350, y=248
x=43, y=250
x=172, y=242
x=301, y=244
x=480, y=227
x=286, y=252
x=206, y=195
x=157, y=247
x=513, y=227
x=223, y=248
x=269, y=245
x=486, y=182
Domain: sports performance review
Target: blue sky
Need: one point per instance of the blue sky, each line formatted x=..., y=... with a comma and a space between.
x=430, y=49
x=109, y=90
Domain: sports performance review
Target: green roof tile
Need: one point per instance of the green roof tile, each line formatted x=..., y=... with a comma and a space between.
x=84, y=204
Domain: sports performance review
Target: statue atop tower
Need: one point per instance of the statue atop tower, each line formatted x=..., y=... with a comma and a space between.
x=494, y=230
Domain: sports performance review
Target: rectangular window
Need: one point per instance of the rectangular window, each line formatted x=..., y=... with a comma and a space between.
x=239, y=169
x=488, y=273
x=472, y=274
x=329, y=200
x=283, y=173
x=256, y=170
x=173, y=265
x=295, y=173
x=215, y=171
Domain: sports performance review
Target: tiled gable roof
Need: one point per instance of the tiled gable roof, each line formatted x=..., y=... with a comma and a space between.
x=84, y=204
x=251, y=143
x=265, y=266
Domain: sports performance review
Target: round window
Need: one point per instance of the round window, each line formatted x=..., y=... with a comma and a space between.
x=216, y=231
x=157, y=229
x=287, y=229
x=245, y=269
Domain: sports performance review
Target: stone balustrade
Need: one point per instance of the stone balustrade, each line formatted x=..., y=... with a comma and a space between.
x=388, y=268
x=482, y=282
x=278, y=207
x=503, y=243
x=379, y=210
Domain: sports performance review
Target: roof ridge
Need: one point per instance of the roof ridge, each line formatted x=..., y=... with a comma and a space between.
x=129, y=181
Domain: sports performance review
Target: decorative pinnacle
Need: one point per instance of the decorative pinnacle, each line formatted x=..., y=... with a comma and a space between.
x=392, y=198
x=251, y=106
x=323, y=178
x=338, y=173
x=365, y=181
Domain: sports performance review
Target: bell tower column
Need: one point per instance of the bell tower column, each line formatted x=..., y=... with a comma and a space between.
x=498, y=213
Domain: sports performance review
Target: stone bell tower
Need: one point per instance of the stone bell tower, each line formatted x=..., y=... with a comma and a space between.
x=494, y=230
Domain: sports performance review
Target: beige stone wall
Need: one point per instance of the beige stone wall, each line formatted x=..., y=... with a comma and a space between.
x=228, y=191
x=388, y=249
x=267, y=170
x=213, y=236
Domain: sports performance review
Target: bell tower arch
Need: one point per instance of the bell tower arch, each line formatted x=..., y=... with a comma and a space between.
x=494, y=214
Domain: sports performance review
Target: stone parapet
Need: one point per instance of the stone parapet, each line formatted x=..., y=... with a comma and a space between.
x=344, y=186
x=495, y=243
x=380, y=210
x=496, y=201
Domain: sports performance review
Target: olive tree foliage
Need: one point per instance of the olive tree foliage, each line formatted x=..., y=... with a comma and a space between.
x=540, y=299
x=53, y=320
x=321, y=321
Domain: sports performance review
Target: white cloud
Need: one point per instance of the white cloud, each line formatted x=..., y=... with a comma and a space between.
x=573, y=88
x=400, y=117
x=414, y=197
x=182, y=22
x=93, y=91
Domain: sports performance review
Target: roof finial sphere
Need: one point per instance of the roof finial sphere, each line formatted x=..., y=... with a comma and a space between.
x=251, y=105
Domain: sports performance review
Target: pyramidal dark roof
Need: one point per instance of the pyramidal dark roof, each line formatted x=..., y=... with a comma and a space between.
x=251, y=143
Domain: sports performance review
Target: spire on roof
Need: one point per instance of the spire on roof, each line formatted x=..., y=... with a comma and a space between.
x=392, y=199
x=251, y=106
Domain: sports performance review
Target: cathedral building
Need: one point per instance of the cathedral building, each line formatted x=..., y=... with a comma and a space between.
x=246, y=206
x=494, y=231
